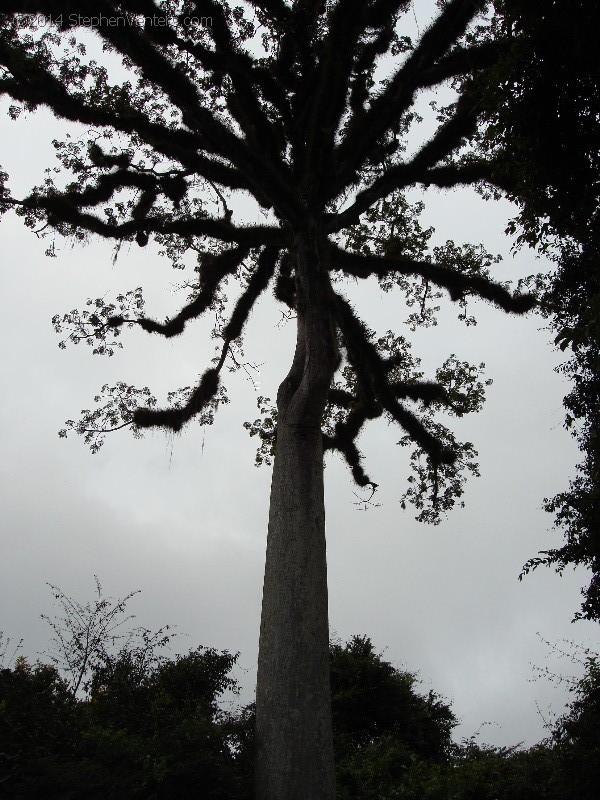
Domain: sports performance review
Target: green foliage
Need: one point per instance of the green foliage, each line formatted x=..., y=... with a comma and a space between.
x=148, y=726
x=35, y=717
x=140, y=733
x=122, y=720
x=382, y=726
x=483, y=773
x=540, y=127
x=542, y=114
x=152, y=727
x=577, y=737
x=394, y=744
x=571, y=300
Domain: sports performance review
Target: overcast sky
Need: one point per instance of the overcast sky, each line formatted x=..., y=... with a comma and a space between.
x=184, y=518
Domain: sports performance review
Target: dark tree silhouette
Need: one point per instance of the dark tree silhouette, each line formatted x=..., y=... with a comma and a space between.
x=541, y=126
x=283, y=102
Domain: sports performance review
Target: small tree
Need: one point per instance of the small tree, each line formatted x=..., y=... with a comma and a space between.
x=87, y=636
x=282, y=102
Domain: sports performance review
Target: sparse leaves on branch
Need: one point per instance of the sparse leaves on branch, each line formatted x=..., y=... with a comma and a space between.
x=92, y=325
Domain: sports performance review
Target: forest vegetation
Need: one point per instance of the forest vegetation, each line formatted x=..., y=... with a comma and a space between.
x=109, y=712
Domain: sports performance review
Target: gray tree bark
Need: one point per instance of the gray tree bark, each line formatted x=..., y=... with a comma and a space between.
x=294, y=745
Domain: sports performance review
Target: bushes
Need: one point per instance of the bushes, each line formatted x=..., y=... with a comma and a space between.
x=147, y=727
x=151, y=734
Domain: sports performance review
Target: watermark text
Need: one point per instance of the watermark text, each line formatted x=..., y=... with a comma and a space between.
x=110, y=21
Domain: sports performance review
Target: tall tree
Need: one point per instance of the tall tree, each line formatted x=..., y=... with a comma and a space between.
x=283, y=102
x=541, y=126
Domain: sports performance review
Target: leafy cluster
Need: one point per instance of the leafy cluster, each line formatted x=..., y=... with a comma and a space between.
x=92, y=325
x=143, y=724
x=541, y=118
x=570, y=300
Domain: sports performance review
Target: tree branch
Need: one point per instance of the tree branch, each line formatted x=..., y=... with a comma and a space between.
x=382, y=16
x=366, y=129
x=274, y=10
x=264, y=134
x=206, y=391
x=344, y=441
x=36, y=86
x=456, y=283
x=327, y=101
x=463, y=60
x=419, y=169
x=372, y=374
x=60, y=210
x=402, y=175
x=268, y=174
x=211, y=276
x=256, y=286
x=175, y=418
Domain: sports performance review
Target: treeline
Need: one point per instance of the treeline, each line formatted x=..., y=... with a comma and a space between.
x=110, y=716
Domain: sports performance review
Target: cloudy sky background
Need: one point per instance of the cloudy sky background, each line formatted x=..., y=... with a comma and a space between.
x=184, y=518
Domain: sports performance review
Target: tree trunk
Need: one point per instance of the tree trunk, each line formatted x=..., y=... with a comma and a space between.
x=294, y=746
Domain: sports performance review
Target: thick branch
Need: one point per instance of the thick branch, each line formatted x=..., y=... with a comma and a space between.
x=177, y=87
x=404, y=175
x=263, y=134
x=264, y=177
x=344, y=441
x=426, y=391
x=175, y=418
x=372, y=374
x=365, y=130
x=211, y=276
x=383, y=16
x=446, y=139
x=60, y=210
x=341, y=398
x=36, y=86
x=238, y=65
x=295, y=66
x=206, y=391
x=449, y=135
x=109, y=183
x=245, y=74
x=328, y=99
x=268, y=175
x=256, y=286
x=462, y=60
x=417, y=431
x=455, y=282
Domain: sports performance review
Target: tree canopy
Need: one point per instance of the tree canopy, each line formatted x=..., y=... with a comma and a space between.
x=202, y=111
